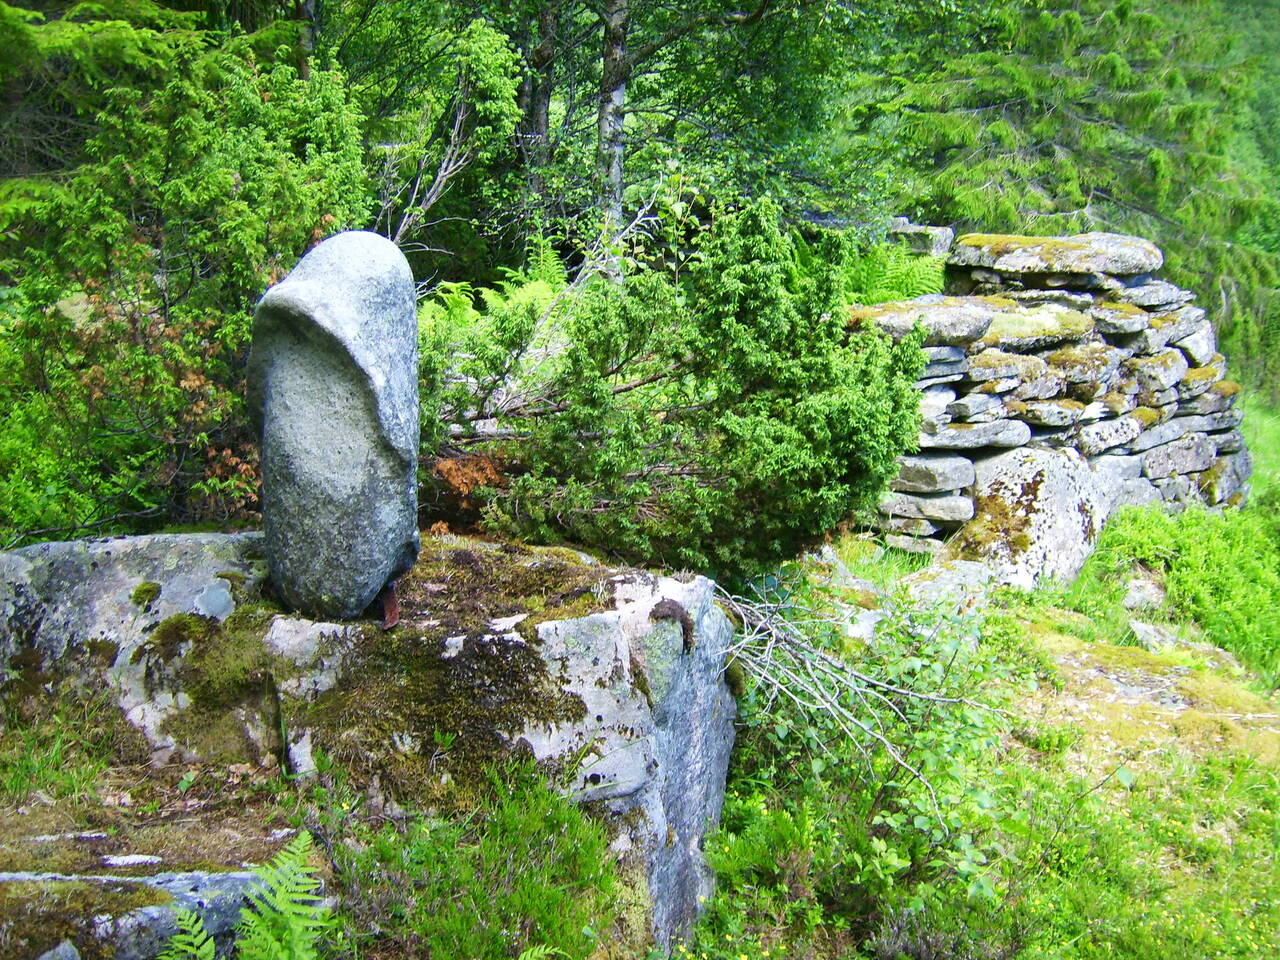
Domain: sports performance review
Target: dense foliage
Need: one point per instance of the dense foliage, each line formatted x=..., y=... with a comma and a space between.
x=712, y=413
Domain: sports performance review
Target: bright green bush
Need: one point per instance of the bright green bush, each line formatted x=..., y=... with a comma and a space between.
x=121, y=353
x=711, y=412
x=1221, y=570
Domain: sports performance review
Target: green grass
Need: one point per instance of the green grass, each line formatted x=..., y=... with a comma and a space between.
x=524, y=868
x=1262, y=432
x=58, y=754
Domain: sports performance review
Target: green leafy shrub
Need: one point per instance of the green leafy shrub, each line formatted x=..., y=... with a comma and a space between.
x=711, y=412
x=121, y=353
x=1221, y=570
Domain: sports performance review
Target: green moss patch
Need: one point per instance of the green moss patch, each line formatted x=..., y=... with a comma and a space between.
x=36, y=916
x=445, y=676
x=145, y=594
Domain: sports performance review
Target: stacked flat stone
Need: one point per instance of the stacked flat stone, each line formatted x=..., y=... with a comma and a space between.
x=1063, y=342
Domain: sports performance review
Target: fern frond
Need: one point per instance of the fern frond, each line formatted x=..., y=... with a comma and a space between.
x=284, y=917
x=191, y=942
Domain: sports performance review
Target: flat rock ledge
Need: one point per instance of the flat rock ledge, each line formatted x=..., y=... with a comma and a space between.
x=612, y=678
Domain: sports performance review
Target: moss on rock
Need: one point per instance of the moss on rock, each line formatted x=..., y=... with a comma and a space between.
x=36, y=916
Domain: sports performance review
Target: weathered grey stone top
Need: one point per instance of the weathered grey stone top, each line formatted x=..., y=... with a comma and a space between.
x=1110, y=253
x=353, y=287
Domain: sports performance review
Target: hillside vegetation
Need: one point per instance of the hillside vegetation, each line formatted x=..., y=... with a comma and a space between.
x=637, y=231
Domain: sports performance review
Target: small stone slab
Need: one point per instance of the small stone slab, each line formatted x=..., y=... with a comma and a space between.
x=909, y=526
x=1199, y=380
x=944, y=354
x=996, y=364
x=1155, y=294
x=1052, y=413
x=1085, y=362
x=973, y=405
x=1109, y=253
x=949, y=508
x=1166, y=328
x=1159, y=434
x=1096, y=438
x=1114, y=404
x=1230, y=442
x=935, y=473
x=1041, y=388
x=1137, y=492
x=934, y=402
x=1036, y=327
x=1211, y=422
x=1158, y=372
x=1190, y=454
x=948, y=321
x=1119, y=318
x=1200, y=346
x=970, y=436
x=929, y=241
x=1207, y=402
x=1118, y=467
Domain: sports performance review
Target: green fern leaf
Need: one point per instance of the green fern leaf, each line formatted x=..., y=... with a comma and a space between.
x=191, y=942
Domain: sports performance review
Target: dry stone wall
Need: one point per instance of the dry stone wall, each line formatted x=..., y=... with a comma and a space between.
x=1069, y=344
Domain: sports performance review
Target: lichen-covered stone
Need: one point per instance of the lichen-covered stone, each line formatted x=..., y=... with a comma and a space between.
x=1086, y=362
x=1199, y=380
x=1038, y=516
x=948, y=321
x=932, y=473
x=333, y=377
x=929, y=241
x=996, y=364
x=611, y=675
x=1036, y=327
x=1119, y=318
x=121, y=918
x=1166, y=328
x=1103, y=435
x=1108, y=253
x=1190, y=454
x=1053, y=413
x=1158, y=372
x=943, y=507
x=1043, y=387
x=970, y=436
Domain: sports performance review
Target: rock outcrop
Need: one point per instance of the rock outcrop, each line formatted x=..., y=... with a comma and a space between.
x=333, y=377
x=611, y=678
x=1058, y=344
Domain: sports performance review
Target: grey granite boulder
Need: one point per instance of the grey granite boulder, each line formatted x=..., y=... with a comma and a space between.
x=333, y=379
x=1038, y=516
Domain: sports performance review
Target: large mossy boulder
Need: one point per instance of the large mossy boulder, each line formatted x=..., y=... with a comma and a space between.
x=1038, y=513
x=610, y=678
x=333, y=378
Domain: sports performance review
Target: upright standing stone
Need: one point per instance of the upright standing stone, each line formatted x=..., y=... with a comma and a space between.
x=333, y=380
